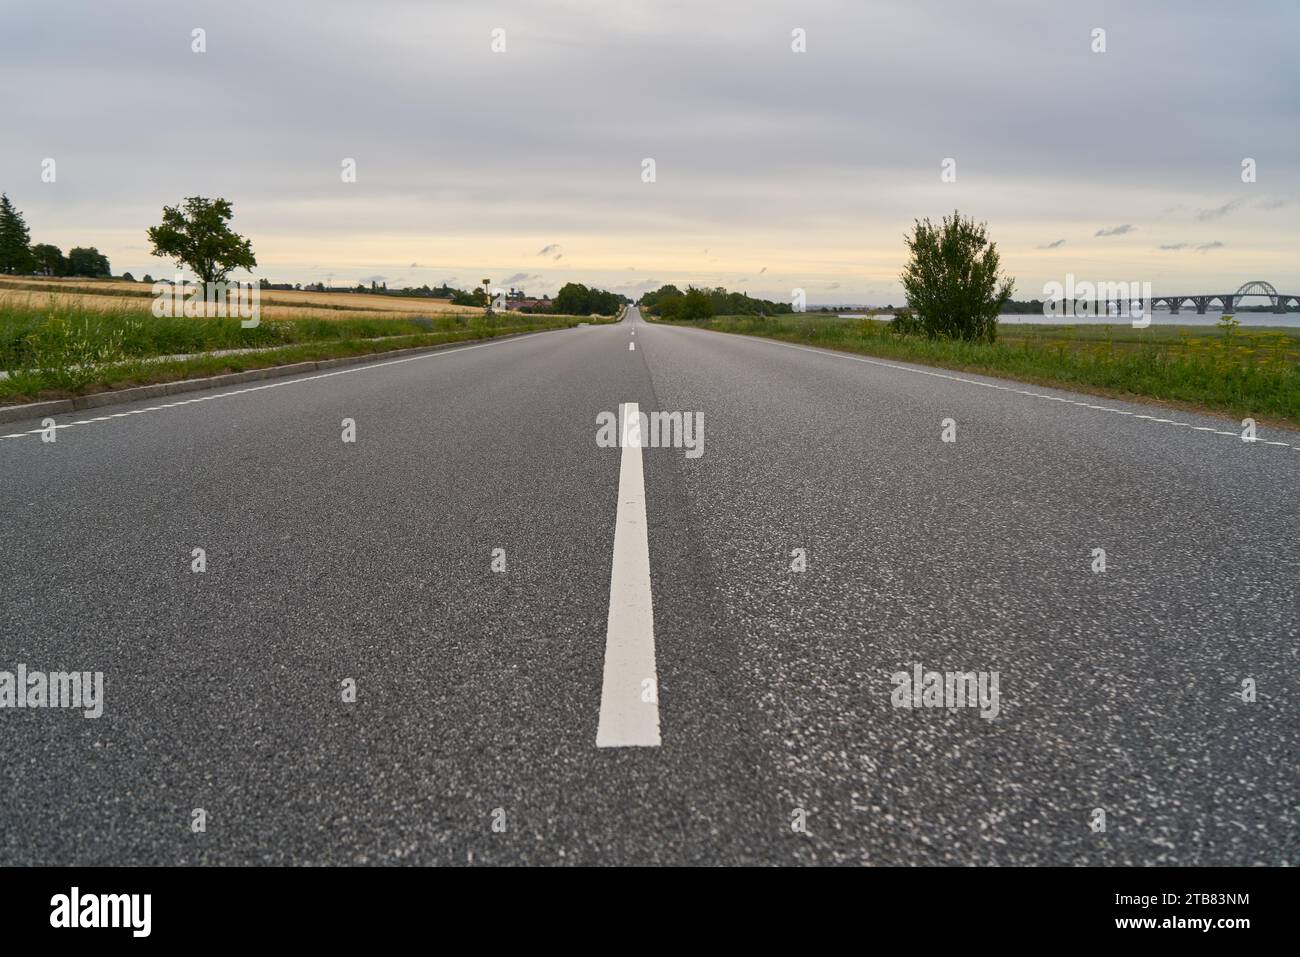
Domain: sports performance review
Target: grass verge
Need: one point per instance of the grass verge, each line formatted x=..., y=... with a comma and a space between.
x=70, y=352
x=1222, y=370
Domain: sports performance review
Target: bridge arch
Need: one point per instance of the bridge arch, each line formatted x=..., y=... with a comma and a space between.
x=1256, y=287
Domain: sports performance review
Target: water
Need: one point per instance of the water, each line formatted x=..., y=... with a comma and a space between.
x=1160, y=317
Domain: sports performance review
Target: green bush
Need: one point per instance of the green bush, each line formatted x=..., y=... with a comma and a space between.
x=953, y=281
x=905, y=323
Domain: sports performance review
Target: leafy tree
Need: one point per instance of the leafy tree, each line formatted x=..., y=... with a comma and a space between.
x=87, y=261
x=741, y=304
x=952, y=280
x=905, y=323
x=693, y=304
x=651, y=300
x=575, y=299
x=127, y=277
x=147, y=278
x=197, y=235
x=49, y=260
x=476, y=297
x=669, y=302
x=15, y=254
x=696, y=304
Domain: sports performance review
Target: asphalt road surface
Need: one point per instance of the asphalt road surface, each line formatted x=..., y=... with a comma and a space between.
x=770, y=729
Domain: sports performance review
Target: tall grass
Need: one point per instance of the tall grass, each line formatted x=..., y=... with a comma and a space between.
x=64, y=347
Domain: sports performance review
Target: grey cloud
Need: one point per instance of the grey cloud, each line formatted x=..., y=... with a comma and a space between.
x=1219, y=211
x=1055, y=244
x=1117, y=230
x=506, y=147
x=1198, y=247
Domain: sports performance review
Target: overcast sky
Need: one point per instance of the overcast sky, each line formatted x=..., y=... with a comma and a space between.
x=774, y=169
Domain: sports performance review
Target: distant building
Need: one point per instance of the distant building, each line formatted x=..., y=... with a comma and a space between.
x=521, y=303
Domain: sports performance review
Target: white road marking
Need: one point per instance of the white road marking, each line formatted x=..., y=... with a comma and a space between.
x=1002, y=388
x=629, y=695
x=631, y=347
x=278, y=384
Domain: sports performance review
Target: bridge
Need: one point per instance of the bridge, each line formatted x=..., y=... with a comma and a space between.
x=1229, y=300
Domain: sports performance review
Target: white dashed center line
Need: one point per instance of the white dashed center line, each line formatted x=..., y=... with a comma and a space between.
x=629, y=695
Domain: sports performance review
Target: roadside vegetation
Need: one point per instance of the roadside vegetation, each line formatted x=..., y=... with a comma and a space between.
x=670, y=303
x=196, y=235
x=578, y=300
x=955, y=291
x=64, y=349
x=68, y=327
x=1221, y=369
x=954, y=285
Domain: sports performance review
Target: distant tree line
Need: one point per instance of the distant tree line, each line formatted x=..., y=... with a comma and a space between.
x=19, y=257
x=473, y=297
x=380, y=288
x=575, y=299
x=1023, y=307
x=669, y=302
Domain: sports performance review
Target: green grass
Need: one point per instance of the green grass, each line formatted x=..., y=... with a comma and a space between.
x=1218, y=369
x=62, y=350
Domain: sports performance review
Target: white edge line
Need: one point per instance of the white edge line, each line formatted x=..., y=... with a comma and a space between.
x=831, y=353
x=290, y=380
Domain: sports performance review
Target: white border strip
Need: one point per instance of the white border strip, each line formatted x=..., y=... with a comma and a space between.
x=278, y=384
x=832, y=353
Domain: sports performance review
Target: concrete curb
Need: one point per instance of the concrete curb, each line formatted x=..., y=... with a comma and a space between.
x=39, y=410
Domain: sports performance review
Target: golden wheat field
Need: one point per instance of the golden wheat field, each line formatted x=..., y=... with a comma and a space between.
x=112, y=294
